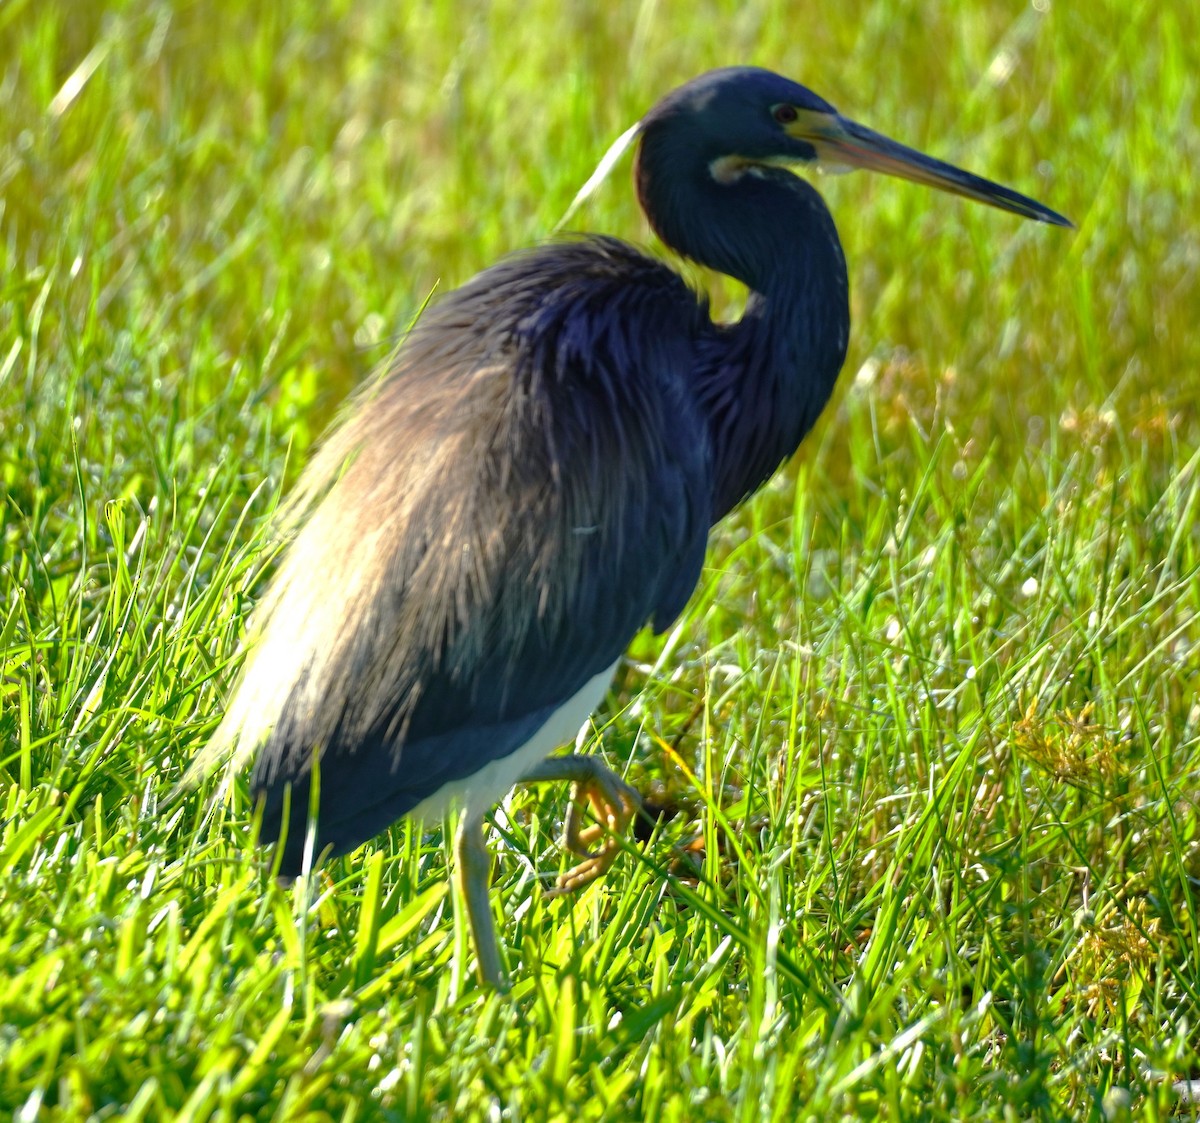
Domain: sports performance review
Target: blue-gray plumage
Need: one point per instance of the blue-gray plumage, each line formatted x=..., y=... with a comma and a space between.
x=563, y=522
x=535, y=479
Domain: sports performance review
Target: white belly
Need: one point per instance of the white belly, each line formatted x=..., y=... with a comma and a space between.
x=485, y=788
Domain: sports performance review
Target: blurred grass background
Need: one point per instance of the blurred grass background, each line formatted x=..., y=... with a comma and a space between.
x=931, y=722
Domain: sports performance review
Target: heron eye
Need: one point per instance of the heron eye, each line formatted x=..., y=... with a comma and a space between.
x=784, y=114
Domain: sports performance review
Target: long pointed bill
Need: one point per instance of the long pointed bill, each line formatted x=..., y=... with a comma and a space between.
x=838, y=140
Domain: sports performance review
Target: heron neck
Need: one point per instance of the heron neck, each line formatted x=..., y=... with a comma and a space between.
x=763, y=381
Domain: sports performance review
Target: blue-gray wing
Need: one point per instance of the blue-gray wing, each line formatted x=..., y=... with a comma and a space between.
x=526, y=490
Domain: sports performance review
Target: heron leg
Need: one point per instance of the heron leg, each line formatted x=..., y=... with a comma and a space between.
x=613, y=802
x=472, y=870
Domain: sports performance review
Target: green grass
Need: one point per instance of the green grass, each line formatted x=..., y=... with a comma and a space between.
x=933, y=712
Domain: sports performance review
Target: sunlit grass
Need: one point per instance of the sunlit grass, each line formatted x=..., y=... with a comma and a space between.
x=930, y=727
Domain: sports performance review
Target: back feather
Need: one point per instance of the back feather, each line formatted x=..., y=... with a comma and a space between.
x=483, y=536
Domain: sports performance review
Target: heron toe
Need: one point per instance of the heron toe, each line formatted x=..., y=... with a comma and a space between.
x=613, y=803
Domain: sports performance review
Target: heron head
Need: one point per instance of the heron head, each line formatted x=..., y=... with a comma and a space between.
x=741, y=113
x=741, y=120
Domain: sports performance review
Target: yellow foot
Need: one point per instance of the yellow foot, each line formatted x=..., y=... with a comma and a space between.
x=613, y=804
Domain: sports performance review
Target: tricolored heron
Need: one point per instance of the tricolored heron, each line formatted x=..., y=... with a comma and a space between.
x=534, y=481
